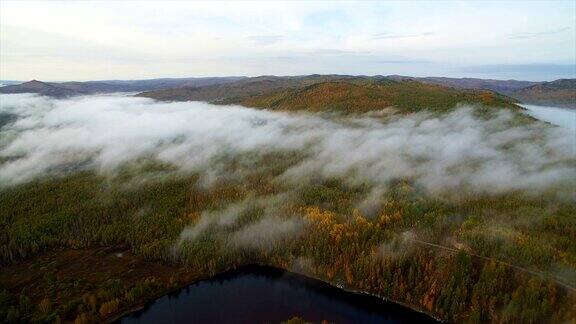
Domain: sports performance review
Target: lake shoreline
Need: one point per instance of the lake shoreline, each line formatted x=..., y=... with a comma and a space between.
x=235, y=270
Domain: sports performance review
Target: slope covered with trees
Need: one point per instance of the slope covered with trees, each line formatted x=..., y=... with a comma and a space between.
x=361, y=97
x=344, y=94
x=452, y=258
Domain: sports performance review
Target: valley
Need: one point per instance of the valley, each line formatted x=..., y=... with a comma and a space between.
x=429, y=228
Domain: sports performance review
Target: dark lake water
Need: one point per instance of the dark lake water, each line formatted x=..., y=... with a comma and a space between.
x=256, y=294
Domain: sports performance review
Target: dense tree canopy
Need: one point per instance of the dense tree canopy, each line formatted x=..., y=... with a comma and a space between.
x=467, y=259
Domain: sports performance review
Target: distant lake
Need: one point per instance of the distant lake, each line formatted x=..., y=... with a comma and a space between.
x=563, y=117
x=256, y=294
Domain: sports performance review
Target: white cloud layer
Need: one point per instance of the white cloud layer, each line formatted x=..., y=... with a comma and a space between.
x=45, y=136
x=83, y=40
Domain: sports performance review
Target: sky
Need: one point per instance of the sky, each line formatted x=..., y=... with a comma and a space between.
x=86, y=40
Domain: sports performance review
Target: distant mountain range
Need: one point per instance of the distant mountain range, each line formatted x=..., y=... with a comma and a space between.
x=560, y=93
x=8, y=82
x=505, y=87
x=68, y=89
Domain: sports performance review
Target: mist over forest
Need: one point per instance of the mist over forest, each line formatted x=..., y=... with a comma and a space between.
x=288, y=162
x=344, y=197
x=455, y=151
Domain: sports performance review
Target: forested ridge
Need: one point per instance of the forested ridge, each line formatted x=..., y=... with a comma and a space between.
x=343, y=94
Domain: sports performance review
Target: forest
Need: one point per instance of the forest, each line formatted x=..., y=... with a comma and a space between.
x=380, y=254
x=87, y=244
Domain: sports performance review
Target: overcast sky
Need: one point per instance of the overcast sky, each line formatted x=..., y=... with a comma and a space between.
x=83, y=40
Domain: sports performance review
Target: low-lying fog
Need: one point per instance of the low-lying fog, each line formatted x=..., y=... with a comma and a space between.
x=41, y=136
x=563, y=117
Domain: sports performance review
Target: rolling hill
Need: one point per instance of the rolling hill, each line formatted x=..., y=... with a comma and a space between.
x=408, y=96
x=561, y=93
x=43, y=88
x=334, y=93
x=501, y=86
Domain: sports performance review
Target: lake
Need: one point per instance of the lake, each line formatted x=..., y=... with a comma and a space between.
x=257, y=294
x=562, y=117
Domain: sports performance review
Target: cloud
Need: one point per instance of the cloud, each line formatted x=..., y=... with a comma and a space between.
x=263, y=40
x=115, y=40
x=262, y=228
x=401, y=61
x=537, y=34
x=222, y=218
x=286, y=58
x=387, y=35
x=333, y=51
x=264, y=233
x=449, y=153
x=400, y=245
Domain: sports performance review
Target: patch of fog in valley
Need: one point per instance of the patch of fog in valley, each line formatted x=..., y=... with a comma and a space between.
x=563, y=117
x=439, y=153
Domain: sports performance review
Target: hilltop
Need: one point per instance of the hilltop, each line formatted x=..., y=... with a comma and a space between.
x=408, y=96
x=43, y=88
x=332, y=92
x=561, y=93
